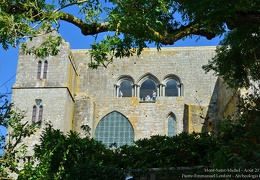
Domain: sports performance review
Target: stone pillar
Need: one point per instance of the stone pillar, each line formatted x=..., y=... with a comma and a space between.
x=158, y=90
x=137, y=87
x=162, y=89
x=134, y=89
x=179, y=89
x=116, y=90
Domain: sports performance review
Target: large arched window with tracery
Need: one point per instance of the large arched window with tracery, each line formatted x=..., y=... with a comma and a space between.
x=171, y=88
x=171, y=125
x=125, y=89
x=114, y=128
x=147, y=88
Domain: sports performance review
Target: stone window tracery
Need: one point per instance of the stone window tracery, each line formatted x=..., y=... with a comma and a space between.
x=114, y=129
x=148, y=87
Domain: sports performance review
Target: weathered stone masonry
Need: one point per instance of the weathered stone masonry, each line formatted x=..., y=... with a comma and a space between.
x=74, y=95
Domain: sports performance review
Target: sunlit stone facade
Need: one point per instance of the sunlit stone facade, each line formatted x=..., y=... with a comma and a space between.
x=165, y=93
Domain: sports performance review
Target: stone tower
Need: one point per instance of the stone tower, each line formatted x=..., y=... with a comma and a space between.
x=44, y=88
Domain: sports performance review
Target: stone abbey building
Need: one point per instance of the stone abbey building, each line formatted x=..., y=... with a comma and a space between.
x=165, y=93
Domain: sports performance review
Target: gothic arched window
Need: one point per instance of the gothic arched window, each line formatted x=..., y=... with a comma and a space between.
x=147, y=88
x=116, y=129
x=125, y=89
x=171, y=88
x=124, y=86
x=34, y=114
x=45, y=69
x=39, y=70
x=171, y=125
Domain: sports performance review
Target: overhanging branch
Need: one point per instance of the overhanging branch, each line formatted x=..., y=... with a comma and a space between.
x=86, y=29
x=172, y=36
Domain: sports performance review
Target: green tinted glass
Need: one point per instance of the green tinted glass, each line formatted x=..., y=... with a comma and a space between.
x=114, y=128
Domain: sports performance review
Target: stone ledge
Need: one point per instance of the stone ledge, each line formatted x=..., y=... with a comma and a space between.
x=147, y=101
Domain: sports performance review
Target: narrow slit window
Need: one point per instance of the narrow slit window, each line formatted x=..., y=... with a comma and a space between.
x=34, y=114
x=45, y=69
x=40, y=114
x=39, y=70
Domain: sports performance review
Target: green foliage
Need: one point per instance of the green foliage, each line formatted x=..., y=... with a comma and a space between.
x=23, y=20
x=163, y=152
x=48, y=47
x=60, y=156
x=67, y=157
x=71, y=157
x=111, y=47
x=4, y=110
x=240, y=140
x=12, y=145
x=138, y=23
x=238, y=58
x=101, y=52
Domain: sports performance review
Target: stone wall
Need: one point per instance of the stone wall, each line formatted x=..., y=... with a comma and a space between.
x=149, y=118
x=57, y=107
x=227, y=100
x=56, y=92
x=74, y=95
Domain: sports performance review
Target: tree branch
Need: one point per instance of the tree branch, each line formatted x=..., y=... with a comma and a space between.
x=86, y=29
x=175, y=35
x=18, y=140
x=168, y=37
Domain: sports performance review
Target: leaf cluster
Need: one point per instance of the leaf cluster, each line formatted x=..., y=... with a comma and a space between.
x=13, y=147
x=238, y=57
x=50, y=47
x=163, y=152
x=137, y=24
x=71, y=157
x=240, y=140
x=66, y=157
